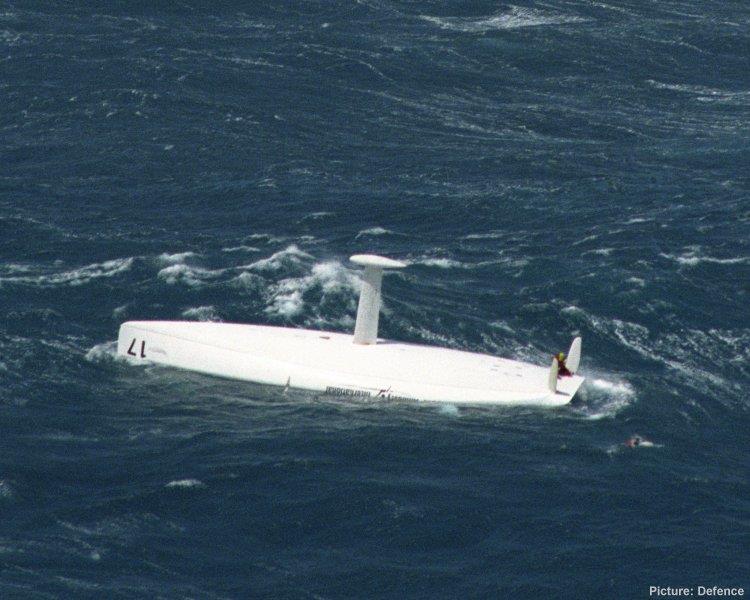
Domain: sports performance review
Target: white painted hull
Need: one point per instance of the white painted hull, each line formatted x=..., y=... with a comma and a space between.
x=332, y=364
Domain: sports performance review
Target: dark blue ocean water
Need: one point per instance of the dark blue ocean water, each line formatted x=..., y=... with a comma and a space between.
x=547, y=168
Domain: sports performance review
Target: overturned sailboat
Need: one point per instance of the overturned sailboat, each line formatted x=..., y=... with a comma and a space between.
x=359, y=365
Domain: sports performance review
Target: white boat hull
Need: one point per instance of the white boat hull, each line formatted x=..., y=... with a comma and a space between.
x=330, y=363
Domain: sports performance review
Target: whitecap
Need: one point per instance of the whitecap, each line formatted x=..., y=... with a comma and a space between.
x=201, y=313
x=502, y=325
x=241, y=248
x=287, y=303
x=185, y=483
x=373, y=231
x=182, y=273
x=599, y=251
x=318, y=215
x=449, y=410
x=78, y=276
x=173, y=259
x=344, y=322
x=267, y=237
x=15, y=268
x=249, y=281
x=291, y=255
x=443, y=263
x=588, y=238
x=104, y=352
x=6, y=490
x=331, y=277
x=684, y=353
x=602, y=398
x=493, y=235
x=693, y=258
x=119, y=311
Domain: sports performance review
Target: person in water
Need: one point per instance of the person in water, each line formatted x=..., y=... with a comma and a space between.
x=562, y=370
x=637, y=441
x=634, y=441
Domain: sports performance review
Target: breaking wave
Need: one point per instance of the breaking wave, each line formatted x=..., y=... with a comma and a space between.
x=104, y=352
x=693, y=257
x=600, y=398
x=185, y=484
x=74, y=277
x=327, y=278
x=173, y=259
x=201, y=313
x=374, y=231
x=290, y=256
x=694, y=355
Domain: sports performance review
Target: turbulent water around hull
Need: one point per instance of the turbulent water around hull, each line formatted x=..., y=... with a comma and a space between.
x=546, y=170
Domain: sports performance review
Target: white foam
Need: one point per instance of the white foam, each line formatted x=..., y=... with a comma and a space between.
x=331, y=276
x=79, y=276
x=182, y=273
x=241, y=249
x=443, y=263
x=249, y=281
x=287, y=302
x=588, y=238
x=173, y=259
x=619, y=388
x=493, y=235
x=106, y=352
x=119, y=311
x=102, y=352
x=14, y=268
x=602, y=398
x=502, y=325
x=685, y=353
x=291, y=255
x=185, y=483
x=267, y=237
x=515, y=18
x=450, y=410
x=693, y=258
x=703, y=93
x=373, y=231
x=344, y=322
x=6, y=490
x=201, y=313
x=599, y=251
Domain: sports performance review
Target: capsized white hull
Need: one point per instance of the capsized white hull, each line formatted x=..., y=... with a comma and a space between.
x=332, y=364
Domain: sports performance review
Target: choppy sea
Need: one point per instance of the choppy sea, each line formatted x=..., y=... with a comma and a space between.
x=547, y=169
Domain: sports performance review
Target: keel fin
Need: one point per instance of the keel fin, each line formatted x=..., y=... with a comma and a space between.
x=368, y=310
